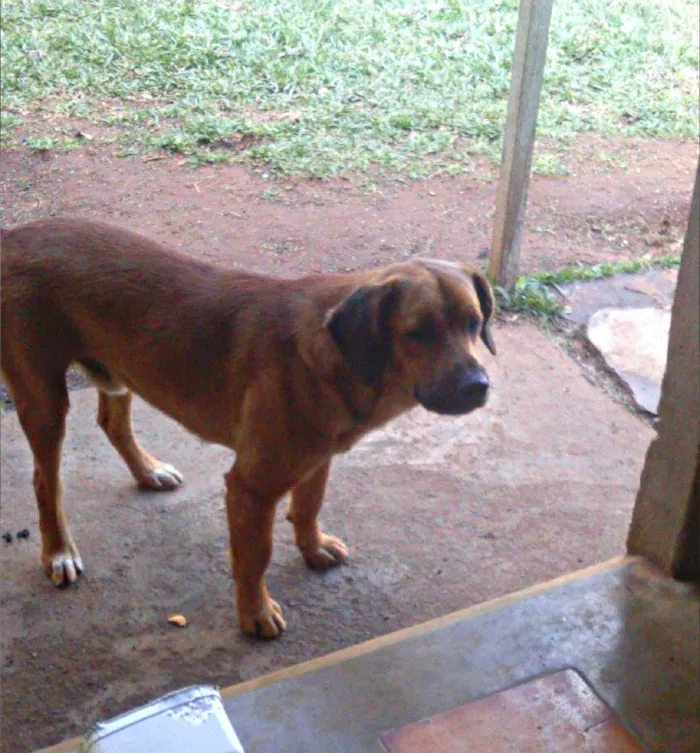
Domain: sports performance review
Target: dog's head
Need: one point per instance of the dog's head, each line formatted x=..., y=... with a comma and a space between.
x=420, y=321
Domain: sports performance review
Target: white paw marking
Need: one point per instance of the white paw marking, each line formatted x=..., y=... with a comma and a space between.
x=166, y=477
x=65, y=568
x=114, y=391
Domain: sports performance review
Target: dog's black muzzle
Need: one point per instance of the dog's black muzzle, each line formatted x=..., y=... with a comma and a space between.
x=461, y=391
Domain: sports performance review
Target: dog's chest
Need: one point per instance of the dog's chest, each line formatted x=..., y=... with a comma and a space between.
x=347, y=439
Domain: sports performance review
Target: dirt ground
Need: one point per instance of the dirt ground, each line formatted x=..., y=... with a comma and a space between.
x=440, y=514
x=230, y=215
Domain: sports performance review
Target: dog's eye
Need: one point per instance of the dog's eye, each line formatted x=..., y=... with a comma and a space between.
x=472, y=327
x=425, y=333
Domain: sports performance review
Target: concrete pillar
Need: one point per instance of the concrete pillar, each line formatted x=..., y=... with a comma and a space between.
x=666, y=519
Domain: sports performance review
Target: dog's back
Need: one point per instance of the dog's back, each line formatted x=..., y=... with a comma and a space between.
x=78, y=261
x=124, y=307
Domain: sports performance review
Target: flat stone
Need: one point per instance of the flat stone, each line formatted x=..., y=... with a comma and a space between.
x=634, y=344
x=654, y=288
x=659, y=285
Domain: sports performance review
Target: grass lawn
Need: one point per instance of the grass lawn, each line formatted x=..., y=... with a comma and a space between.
x=328, y=87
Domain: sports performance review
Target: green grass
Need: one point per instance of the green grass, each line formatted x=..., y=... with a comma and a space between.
x=531, y=298
x=536, y=296
x=328, y=87
x=607, y=269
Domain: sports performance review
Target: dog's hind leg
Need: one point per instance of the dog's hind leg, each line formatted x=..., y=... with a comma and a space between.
x=114, y=416
x=42, y=405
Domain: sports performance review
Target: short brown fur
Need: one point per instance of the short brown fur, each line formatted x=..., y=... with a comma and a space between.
x=285, y=372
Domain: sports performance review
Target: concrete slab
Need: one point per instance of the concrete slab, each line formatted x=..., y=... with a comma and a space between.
x=439, y=513
x=650, y=289
x=631, y=632
x=634, y=344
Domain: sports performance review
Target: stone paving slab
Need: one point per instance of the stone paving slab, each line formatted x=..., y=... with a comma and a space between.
x=651, y=289
x=627, y=319
x=634, y=344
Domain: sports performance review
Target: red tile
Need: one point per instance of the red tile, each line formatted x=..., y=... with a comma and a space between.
x=558, y=713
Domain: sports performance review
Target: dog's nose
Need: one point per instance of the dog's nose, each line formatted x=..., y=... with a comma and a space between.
x=474, y=382
x=461, y=391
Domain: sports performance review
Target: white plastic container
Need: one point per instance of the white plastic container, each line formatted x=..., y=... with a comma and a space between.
x=191, y=720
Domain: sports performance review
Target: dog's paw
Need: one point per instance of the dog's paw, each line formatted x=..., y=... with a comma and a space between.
x=63, y=567
x=332, y=552
x=267, y=623
x=162, y=478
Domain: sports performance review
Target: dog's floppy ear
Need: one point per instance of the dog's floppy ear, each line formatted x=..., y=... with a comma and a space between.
x=359, y=326
x=485, y=296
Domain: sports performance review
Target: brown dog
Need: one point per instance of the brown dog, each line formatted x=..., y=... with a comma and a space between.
x=285, y=372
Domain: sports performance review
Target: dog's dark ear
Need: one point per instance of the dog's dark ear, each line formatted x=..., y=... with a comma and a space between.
x=485, y=296
x=359, y=326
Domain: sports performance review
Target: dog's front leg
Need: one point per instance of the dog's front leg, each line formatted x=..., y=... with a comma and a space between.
x=319, y=550
x=251, y=520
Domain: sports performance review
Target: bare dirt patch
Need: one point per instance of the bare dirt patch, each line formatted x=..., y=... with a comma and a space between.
x=239, y=217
